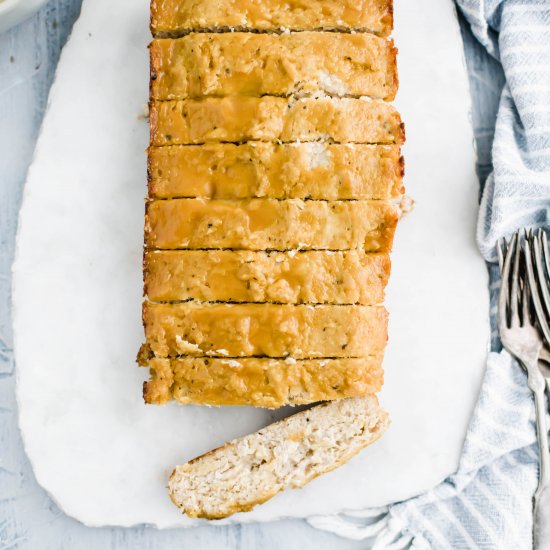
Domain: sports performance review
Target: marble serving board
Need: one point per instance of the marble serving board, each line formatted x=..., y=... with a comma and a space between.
x=100, y=452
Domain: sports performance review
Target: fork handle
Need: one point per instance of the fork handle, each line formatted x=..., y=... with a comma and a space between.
x=541, y=499
x=541, y=519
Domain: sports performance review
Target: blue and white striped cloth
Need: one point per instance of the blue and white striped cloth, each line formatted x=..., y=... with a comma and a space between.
x=486, y=504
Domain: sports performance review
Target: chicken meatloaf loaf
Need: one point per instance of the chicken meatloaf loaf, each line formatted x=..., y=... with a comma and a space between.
x=268, y=118
x=230, y=64
x=269, y=224
x=271, y=330
x=261, y=381
x=291, y=171
x=288, y=454
x=313, y=277
x=177, y=17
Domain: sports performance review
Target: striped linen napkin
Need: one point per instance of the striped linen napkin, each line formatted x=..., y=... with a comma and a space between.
x=486, y=504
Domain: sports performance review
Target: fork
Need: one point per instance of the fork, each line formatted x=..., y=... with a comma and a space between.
x=538, y=259
x=538, y=269
x=521, y=337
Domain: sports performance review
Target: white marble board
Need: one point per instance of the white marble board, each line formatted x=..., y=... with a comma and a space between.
x=96, y=448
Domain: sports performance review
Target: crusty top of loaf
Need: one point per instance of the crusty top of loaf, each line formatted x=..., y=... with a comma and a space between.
x=269, y=118
x=268, y=224
x=314, y=170
x=261, y=381
x=225, y=64
x=176, y=17
x=272, y=330
x=314, y=277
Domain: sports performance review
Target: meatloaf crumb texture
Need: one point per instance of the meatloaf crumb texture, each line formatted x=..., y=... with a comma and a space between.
x=287, y=454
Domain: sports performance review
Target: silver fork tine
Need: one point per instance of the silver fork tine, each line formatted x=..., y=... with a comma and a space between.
x=535, y=291
x=503, y=295
x=545, y=252
x=514, y=294
x=526, y=317
x=501, y=252
x=541, y=274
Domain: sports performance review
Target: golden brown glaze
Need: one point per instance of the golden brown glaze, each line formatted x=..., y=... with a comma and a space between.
x=272, y=330
x=173, y=17
x=257, y=169
x=268, y=224
x=268, y=118
x=313, y=277
x=261, y=382
x=230, y=64
x=275, y=183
